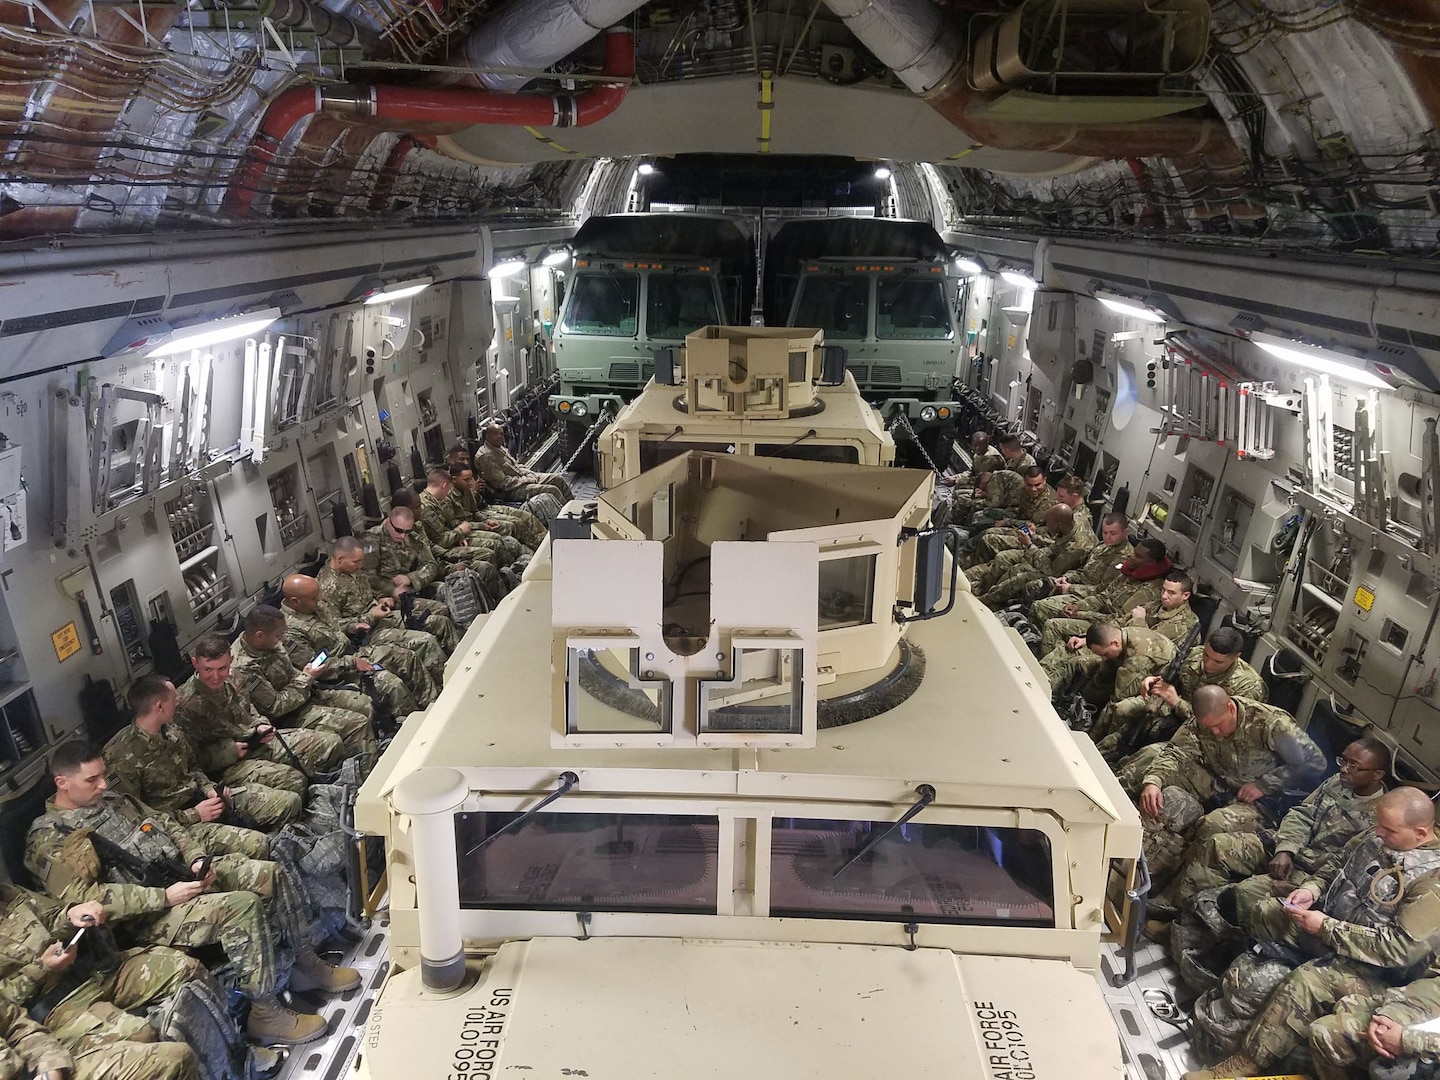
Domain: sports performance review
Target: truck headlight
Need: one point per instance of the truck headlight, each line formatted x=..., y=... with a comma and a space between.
x=578, y=409
x=928, y=413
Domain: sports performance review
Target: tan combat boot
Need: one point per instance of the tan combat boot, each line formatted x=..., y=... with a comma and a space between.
x=271, y=1022
x=1236, y=1065
x=312, y=973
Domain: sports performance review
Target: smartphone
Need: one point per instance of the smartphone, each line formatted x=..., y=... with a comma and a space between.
x=76, y=939
x=205, y=861
x=320, y=658
x=1288, y=906
x=377, y=667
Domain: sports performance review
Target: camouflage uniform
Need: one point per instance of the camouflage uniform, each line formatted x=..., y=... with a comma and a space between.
x=514, y=521
x=287, y=695
x=214, y=720
x=506, y=476
x=1099, y=586
x=1019, y=576
x=1144, y=653
x=59, y=853
x=405, y=686
x=448, y=542
x=1122, y=597
x=1312, y=834
x=1267, y=749
x=95, y=1006
x=1238, y=680
x=415, y=558
x=1382, y=926
x=1338, y=1045
x=1004, y=535
x=983, y=503
x=26, y=1048
x=162, y=771
x=351, y=597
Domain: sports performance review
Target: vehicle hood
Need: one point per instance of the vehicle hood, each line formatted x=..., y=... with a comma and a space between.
x=628, y=1008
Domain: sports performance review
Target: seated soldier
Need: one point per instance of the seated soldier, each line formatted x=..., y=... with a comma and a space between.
x=482, y=552
x=1033, y=498
x=439, y=511
x=1115, y=662
x=1023, y=531
x=1373, y=924
x=1141, y=582
x=996, y=495
x=1395, y=1027
x=289, y=697
x=393, y=673
x=233, y=742
x=979, y=449
x=140, y=863
x=88, y=992
x=508, y=478
x=1307, y=843
x=1237, y=760
x=1062, y=545
x=154, y=761
x=467, y=499
x=1024, y=577
x=405, y=562
x=345, y=588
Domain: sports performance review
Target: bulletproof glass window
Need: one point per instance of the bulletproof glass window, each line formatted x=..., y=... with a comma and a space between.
x=810, y=451
x=603, y=302
x=678, y=304
x=764, y=694
x=607, y=693
x=589, y=862
x=837, y=305
x=968, y=874
x=847, y=591
x=911, y=308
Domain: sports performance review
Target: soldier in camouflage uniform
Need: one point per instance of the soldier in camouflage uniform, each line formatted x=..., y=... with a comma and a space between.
x=1099, y=587
x=1375, y=923
x=980, y=448
x=1306, y=844
x=289, y=696
x=345, y=589
x=1115, y=660
x=1162, y=708
x=28, y=1050
x=996, y=495
x=504, y=475
x=1025, y=529
x=91, y=995
x=1141, y=583
x=405, y=562
x=439, y=513
x=219, y=720
x=153, y=761
x=468, y=501
x=1233, y=749
x=1060, y=546
x=1384, y=1027
x=394, y=672
x=63, y=850
x=1028, y=502
x=453, y=546
x=1021, y=580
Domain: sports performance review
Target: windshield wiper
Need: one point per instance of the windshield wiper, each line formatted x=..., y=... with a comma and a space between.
x=567, y=781
x=926, y=795
x=785, y=446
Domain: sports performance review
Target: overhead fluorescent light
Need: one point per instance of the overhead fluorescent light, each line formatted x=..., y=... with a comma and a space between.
x=398, y=291
x=883, y=173
x=216, y=332
x=557, y=258
x=644, y=168
x=1326, y=361
x=506, y=269
x=968, y=266
x=1016, y=277
x=1133, y=309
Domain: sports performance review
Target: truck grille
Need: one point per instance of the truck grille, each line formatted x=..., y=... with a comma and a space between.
x=885, y=375
x=625, y=373
x=861, y=372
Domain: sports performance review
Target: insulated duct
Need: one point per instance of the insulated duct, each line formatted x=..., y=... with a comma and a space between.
x=911, y=38
x=327, y=25
x=405, y=105
x=531, y=35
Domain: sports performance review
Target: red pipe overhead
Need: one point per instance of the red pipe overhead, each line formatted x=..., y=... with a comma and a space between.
x=418, y=105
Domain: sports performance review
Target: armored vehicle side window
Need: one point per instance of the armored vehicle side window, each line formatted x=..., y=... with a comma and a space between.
x=677, y=304
x=909, y=308
x=921, y=873
x=589, y=862
x=837, y=305
x=606, y=302
x=847, y=590
x=844, y=455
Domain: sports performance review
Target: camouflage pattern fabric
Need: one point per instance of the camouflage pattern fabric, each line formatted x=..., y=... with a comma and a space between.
x=413, y=557
x=288, y=695
x=1058, y=630
x=404, y=686
x=1338, y=1044
x=446, y=539
x=351, y=599
x=1308, y=993
x=59, y=853
x=26, y=1048
x=161, y=771
x=1175, y=624
x=1143, y=653
x=506, y=476
x=214, y=720
x=1026, y=575
x=1113, y=603
x=514, y=521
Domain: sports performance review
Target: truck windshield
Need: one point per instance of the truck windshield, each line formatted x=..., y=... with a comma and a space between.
x=911, y=309
x=837, y=305
x=589, y=862
x=677, y=304
x=603, y=302
x=922, y=873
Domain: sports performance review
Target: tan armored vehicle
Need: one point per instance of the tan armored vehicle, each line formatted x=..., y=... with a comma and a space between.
x=744, y=782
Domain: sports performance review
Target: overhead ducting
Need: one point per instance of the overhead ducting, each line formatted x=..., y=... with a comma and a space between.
x=438, y=107
x=530, y=35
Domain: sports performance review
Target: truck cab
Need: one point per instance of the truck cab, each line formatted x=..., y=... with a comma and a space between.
x=743, y=779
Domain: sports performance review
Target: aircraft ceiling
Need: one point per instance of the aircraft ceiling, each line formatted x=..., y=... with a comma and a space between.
x=1268, y=123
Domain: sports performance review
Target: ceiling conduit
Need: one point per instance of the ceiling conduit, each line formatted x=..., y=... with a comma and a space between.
x=406, y=105
x=910, y=38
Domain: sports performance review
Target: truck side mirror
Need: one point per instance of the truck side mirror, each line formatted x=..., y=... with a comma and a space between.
x=665, y=367
x=832, y=365
x=930, y=556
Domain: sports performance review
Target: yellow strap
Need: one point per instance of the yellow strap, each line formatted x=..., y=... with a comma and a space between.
x=555, y=145
x=766, y=105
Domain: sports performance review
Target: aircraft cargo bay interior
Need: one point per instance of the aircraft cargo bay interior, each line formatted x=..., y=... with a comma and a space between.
x=621, y=539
